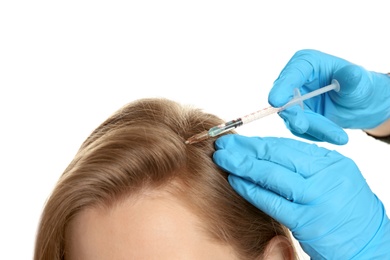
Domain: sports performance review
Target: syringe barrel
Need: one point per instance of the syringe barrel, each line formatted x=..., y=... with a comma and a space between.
x=259, y=114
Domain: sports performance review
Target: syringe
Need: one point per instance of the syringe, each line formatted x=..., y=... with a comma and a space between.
x=296, y=100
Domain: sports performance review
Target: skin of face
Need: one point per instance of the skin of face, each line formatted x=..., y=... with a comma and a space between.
x=155, y=225
x=152, y=226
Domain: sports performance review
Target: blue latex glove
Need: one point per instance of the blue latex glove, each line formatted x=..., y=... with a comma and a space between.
x=363, y=101
x=320, y=195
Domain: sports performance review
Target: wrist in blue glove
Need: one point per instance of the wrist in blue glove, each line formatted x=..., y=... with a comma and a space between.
x=320, y=195
x=363, y=101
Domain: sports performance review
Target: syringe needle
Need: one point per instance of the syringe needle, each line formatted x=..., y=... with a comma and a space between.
x=198, y=137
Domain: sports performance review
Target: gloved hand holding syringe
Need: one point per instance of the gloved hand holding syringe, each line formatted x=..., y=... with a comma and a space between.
x=297, y=100
x=318, y=194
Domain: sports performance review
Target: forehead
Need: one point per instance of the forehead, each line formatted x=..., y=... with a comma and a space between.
x=154, y=226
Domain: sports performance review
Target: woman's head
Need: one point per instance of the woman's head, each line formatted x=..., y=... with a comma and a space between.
x=135, y=185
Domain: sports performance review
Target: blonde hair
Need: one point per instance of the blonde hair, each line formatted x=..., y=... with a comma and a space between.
x=141, y=146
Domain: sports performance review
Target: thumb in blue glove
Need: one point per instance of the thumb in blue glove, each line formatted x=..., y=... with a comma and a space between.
x=320, y=195
x=362, y=102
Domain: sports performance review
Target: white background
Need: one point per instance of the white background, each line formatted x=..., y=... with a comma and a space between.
x=65, y=66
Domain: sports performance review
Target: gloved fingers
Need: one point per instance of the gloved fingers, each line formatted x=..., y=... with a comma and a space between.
x=295, y=119
x=299, y=157
x=310, y=125
x=306, y=67
x=354, y=87
x=257, y=146
x=349, y=78
x=268, y=175
x=294, y=75
x=362, y=102
x=270, y=203
x=305, y=136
